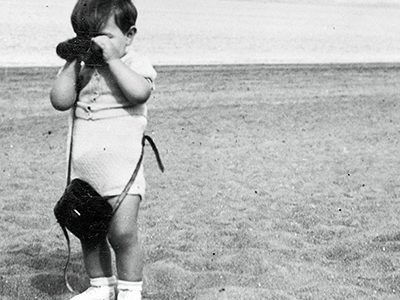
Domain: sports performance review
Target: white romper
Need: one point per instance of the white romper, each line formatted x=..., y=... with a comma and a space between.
x=108, y=130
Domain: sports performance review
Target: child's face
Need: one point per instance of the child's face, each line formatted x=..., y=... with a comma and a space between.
x=119, y=39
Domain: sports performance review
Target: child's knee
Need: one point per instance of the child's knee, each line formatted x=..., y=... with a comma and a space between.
x=122, y=239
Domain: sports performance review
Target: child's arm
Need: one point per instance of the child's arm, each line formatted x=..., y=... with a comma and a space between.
x=63, y=92
x=135, y=87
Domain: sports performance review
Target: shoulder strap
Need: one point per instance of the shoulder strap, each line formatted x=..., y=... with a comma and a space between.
x=71, y=132
x=69, y=287
x=155, y=150
x=71, y=139
x=122, y=196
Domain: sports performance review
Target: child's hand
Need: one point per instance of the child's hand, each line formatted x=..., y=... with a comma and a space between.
x=110, y=52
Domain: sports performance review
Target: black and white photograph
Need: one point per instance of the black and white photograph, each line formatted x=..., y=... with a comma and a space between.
x=199, y=149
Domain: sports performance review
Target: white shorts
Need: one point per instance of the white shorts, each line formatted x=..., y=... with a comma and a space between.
x=105, y=153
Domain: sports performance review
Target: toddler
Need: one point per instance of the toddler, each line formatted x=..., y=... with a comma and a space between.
x=108, y=97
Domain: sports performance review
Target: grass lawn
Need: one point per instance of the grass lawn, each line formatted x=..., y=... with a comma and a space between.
x=281, y=182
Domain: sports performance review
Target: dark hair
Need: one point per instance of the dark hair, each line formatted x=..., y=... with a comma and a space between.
x=88, y=16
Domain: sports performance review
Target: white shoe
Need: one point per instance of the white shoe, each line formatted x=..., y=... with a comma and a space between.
x=97, y=293
x=129, y=295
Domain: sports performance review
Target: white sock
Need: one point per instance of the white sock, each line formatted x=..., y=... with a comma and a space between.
x=103, y=281
x=134, y=286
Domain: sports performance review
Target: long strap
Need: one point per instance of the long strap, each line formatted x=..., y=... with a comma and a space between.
x=121, y=197
x=125, y=191
x=71, y=140
x=71, y=132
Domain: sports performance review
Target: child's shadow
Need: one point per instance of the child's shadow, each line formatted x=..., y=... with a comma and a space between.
x=44, y=268
x=54, y=285
x=49, y=284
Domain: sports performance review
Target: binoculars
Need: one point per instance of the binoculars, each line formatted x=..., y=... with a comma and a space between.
x=82, y=49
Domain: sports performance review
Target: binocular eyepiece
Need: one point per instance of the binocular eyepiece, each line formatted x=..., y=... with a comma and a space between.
x=81, y=48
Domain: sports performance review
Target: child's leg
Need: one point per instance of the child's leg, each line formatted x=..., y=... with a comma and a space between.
x=123, y=237
x=97, y=259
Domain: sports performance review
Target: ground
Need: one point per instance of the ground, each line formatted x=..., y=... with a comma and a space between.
x=281, y=182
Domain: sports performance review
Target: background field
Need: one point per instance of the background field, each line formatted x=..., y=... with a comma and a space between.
x=177, y=32
x=282, y=182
